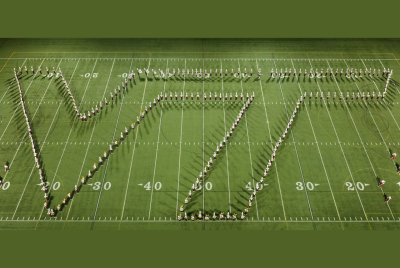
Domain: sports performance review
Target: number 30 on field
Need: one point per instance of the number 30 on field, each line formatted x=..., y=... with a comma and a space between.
x=300, y=186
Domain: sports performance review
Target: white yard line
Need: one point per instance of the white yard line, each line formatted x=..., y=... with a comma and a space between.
x=297, y=155
x=366, y=106
x=272, y=147
x=226, y=144
x=180, y=150
x=133, y=151
x=12, y=81
x=316, y=142
x=46, y=139
x=344, y=156
x=16, y=109
x=108, y=161
x=25, y=133
x=203, y=140
x=76, y=118
x=37, y=109
x=362, y=143
x=66, y=142
x=158, y=142
x=248, y=143
x=55, y=173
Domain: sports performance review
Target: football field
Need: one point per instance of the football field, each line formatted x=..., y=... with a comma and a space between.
x=325, y=174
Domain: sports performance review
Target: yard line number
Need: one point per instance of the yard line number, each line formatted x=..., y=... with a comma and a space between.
x=310, y=186
x=208, y=186
x=56, y=186
x=248, y=186
x=6, y=185
x=157, y=186
x=50, y=75
x=87, y=75
x=359, y=185
x=97, y=185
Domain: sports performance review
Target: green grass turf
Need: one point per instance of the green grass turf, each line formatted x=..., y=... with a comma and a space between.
x=176, y=139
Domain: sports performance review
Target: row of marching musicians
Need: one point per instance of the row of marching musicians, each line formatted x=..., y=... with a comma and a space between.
x=207, y=168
